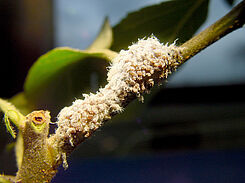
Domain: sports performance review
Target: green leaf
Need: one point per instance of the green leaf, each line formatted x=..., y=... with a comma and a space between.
x=62, y=74
x=104, y=39
x=168, y=21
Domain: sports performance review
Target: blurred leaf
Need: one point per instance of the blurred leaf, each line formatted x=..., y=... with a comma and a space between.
x=104, y=39
x=21, y=103
x=167, y=21
x=229, y=2
x=63, y=74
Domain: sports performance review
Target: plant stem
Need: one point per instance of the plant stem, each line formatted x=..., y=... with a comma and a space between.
x=233, y=20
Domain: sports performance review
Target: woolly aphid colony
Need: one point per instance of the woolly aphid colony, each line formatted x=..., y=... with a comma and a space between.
x=132, y=73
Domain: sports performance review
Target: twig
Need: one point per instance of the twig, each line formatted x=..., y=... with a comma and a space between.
x=230, y=22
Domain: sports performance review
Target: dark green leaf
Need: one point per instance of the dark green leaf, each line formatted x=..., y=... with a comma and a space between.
x=167, y=21
x=63, y=74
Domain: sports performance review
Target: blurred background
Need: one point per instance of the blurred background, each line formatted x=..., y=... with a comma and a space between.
x=190, y=130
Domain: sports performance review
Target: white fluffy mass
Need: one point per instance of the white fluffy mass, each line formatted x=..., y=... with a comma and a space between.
x=132, y=73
